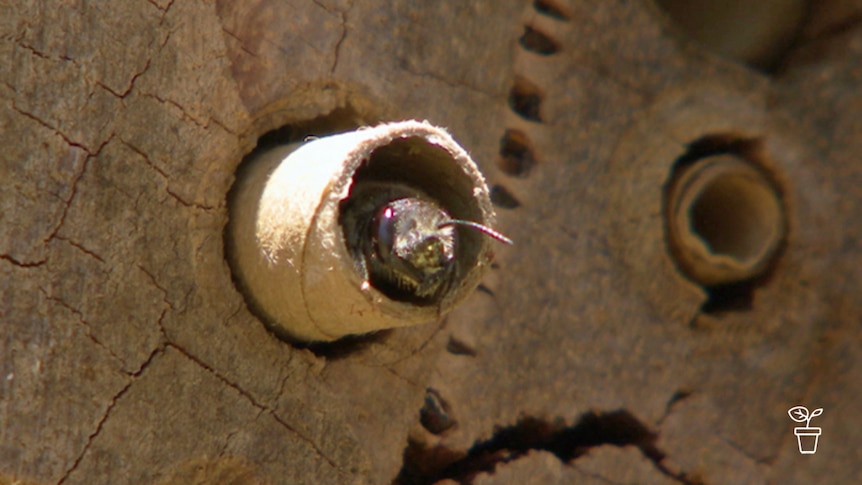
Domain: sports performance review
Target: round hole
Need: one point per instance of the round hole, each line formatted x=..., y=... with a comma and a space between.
x=725, y=220
x=734, y=216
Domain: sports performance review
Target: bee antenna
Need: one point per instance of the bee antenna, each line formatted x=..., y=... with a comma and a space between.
x=479, y=227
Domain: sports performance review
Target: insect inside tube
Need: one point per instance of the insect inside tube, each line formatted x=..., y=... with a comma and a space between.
x=404, y=243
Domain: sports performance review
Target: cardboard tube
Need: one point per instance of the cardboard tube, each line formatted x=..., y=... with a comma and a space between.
x=288, y=249
x=725, y=220
x=756, y=33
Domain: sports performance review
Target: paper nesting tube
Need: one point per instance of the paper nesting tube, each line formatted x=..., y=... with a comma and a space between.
x=725, y=220
x=288, y=249
x=756, y=33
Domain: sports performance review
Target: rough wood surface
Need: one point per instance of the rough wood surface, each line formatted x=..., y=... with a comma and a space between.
x=128, y=356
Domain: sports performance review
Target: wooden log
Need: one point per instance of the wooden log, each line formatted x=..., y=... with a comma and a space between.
x=127, y=354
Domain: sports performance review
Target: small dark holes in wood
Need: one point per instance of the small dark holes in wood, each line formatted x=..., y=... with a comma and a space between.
x=517, y=157
x=551, y=9
x=435, y=415
x=458, y=347
x=525, y=99
x=502, y=198
x=536, y=41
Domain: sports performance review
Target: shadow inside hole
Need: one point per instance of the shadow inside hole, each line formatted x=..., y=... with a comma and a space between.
x=339, y=120
x=720, y=144
x=425, y=465
x=538, y=42
x=502, y=198
x=517, y=156
x=525, y=99
x=729, y=217
x=346, y=346
x=735, y=297
x=551, y=9
x=724, y=234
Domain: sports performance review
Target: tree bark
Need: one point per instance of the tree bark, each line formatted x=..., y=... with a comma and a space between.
x=127, y=354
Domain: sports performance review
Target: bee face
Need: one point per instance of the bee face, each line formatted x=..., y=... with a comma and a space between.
x=403, y=242
x=393, y=233
x=410, y=248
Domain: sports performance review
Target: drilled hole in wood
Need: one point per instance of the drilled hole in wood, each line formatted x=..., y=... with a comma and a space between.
x=338, y=120
x=502, y=198
x=551, y=9
x=436, y=414
x=517, y=156
x=539, y=42
x=725, y=219
x=525, y=99
x=456, y=346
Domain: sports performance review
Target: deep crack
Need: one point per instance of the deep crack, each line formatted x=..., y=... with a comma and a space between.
x=428, y=465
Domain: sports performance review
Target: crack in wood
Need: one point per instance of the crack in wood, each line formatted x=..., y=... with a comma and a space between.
x=262, y=407
x=164, y=175
x=159, y=287
x=339, y=42
x=81, y=248
x=428, y=465
x=131, y=85
x=675, y=399
x=88, y=328
x=134, y=377
x=22, y=264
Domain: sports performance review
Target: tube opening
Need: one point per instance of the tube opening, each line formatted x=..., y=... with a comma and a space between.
x=414, y=168
x=317, y=246
x=725, y=219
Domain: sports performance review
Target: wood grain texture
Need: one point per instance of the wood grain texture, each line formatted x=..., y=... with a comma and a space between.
x=128, y=356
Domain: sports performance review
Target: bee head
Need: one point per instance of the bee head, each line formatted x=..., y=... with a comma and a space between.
x=409, y=243
x=414, y=245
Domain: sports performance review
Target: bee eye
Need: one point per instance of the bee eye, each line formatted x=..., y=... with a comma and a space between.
x=383, y=230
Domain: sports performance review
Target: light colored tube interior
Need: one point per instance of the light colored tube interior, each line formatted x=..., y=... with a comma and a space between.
x=725, y=220
x=752, y=32
x=286, y=245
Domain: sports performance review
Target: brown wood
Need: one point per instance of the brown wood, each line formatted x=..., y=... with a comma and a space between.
x=128, y=356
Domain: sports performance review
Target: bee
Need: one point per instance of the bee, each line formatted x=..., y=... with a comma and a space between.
x=403, y=242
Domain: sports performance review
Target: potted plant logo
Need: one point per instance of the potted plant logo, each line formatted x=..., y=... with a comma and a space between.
x=806, y=436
